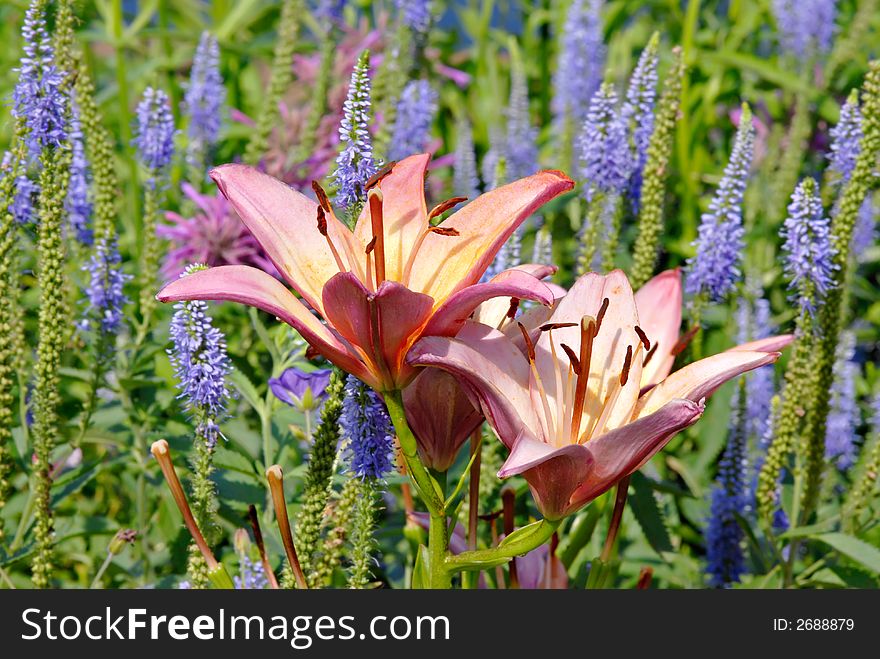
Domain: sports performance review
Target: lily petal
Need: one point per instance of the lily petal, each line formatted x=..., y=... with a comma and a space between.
x=404, y=213
x=659, y=305
x=619, y=453
x=490, y=369
x=284, y=222
x=440, y=415
x=553, y=474
x=770, y=344
x=452, y=263
x=699, y=380
x=493, y=312
x=400, y=314
x=452, y=314
x=251, y=286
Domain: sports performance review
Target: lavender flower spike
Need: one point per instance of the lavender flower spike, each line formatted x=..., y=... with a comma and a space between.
x=154, y=137
x=200, y=364
x=581, y=62
x=846, y=138
x=204, y=100
x=415, y=14
x=104, y=294
x=415, y=114
x=809, y=255
x=844, y=418
x=465, y=180
x=715, y=268
x=355, y=164
x=367, y=426
x=604, y=153
x=37, y=97
x=78, y=204
x=806, y=27
x=637, y=113
x=865, y=231
x=522, y=137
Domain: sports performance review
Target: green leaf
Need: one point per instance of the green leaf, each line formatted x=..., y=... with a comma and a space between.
x=811, y=530
x=758, y=65
x=247, y=390
x=647, y=513
x=421, y=575
x=233, y=461
x=858, y=550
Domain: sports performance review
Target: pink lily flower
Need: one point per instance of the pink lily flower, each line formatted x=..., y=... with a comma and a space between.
x=566, y=397
x=393, y=280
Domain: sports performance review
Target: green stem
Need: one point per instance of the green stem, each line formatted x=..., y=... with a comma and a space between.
x=438, y=541
x=427, y=488
x=101, y=570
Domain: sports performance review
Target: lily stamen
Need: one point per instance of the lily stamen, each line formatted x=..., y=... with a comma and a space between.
x=650, y=354
x=368, y=268
x=375, y=199
x=601, y=315
x=514, y=307
x=444, y=206
x=573, y=358
x=322, y=229
x=616, y=387
x=376, y=178
x=440, y=231
x=627, y=363
x=589, y=329
x=323, y=200
x=642, y=337
x=530, y=353
x=560, y=409
x=684, y=341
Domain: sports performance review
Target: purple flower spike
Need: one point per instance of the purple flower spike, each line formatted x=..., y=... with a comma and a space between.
x=715, y=269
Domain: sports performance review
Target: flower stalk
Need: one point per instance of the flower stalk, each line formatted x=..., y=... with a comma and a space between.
x=216, y=571
x=276, y=485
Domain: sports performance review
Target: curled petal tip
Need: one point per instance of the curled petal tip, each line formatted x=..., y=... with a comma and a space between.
x=559, y=173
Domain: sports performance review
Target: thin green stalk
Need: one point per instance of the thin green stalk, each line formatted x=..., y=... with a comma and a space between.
x=427, y=488
x=117, y=28
x=96, y=582
x=684, y=135
x=651, y=200
x=280, y=79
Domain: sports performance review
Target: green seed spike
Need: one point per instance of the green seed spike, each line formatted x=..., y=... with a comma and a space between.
x=279, y=80
x=339, y=523
x=650, y=221
x=52, y=321
x=788, y=419
x=788, y=172
x=833, y=315
x=861, y=492
x=319, y=476
x=362, y=542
